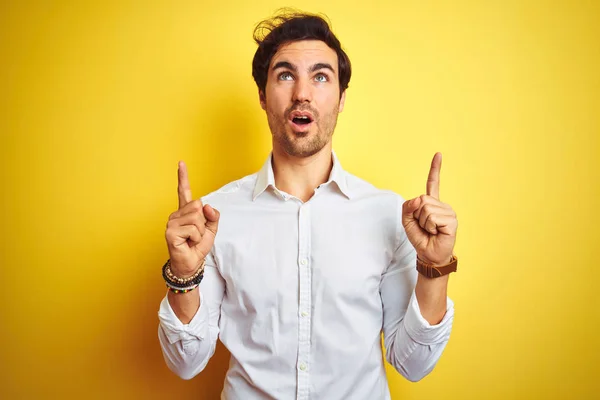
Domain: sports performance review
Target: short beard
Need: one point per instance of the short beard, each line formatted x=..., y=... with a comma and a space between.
x=314, y=145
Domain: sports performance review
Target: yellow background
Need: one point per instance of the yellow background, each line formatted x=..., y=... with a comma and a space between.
x=99, y=100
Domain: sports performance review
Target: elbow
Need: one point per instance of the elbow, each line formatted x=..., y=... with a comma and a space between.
x=186, y=370
x=182, y=359
x=414, y=376
x=410, y=367
x=186, y=374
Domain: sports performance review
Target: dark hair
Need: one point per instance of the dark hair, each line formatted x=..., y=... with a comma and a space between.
x=291, y=26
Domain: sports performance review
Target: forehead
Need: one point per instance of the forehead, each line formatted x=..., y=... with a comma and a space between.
x=306, y=52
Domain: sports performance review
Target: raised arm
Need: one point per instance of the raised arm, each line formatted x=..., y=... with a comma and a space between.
x=188, y=327
x=418, y=314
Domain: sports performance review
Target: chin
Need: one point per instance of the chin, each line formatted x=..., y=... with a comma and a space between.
x=303, y=150
x=301, y=135
x=300, y=144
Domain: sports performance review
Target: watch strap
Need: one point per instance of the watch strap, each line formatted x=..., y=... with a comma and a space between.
x=431, y=271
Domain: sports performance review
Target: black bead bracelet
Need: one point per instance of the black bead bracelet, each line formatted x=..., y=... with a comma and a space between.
x=172, y=283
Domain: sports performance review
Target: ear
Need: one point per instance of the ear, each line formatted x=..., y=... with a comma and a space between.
x=342, y=101
x=262, y=99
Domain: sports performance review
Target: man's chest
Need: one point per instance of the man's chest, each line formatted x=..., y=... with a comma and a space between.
x=270, y=258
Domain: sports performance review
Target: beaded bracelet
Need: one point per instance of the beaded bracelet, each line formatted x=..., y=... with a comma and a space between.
x=180, y=287
x=182, y=283
x=174, y=278
x=181, y=291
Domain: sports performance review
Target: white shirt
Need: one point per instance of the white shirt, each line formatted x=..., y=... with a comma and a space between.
x=299, y=292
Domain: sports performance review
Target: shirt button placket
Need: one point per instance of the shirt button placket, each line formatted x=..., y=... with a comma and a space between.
x=304, y=273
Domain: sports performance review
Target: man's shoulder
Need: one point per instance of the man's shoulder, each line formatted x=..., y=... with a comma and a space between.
x=361, y=188
x=240, y=189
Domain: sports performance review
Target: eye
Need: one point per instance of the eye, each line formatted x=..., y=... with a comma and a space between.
x=285, y=76
x=321, y=78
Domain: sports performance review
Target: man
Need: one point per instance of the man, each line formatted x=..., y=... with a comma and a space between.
x=304, y=265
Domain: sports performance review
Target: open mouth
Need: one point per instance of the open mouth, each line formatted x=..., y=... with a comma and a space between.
x=301, y=120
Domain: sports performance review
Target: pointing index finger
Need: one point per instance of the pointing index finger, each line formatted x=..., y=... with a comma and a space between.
x=183, y=186
x=433, y=180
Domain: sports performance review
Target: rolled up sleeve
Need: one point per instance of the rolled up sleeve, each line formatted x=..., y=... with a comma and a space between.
x=413, y=346
x=187, y=348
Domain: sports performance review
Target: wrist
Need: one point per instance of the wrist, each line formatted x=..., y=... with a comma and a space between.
x=436, y=263
x=184, y=272
x=178, y=282
x=432, y=270
x=180, y=272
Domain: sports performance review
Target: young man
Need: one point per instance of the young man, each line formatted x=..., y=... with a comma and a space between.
x=304, y=265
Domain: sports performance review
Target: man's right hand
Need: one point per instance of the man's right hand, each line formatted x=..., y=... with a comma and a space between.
x=191, y=230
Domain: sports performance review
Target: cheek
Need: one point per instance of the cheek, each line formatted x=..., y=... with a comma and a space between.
x=276, y=108
x=273, y=98
x=329, y=99
x=329, y=108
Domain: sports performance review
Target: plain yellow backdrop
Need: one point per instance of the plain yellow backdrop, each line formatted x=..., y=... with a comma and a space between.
x=99, y=100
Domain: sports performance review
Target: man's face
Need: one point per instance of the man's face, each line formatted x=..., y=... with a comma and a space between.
x=302, y=97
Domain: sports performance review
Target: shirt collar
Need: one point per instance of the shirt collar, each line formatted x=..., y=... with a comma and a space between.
x=266, y=177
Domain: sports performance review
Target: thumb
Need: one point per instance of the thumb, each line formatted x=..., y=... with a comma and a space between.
x=408, y=208
x=212, y=216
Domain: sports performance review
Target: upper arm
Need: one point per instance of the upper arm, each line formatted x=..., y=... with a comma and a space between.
x=398, y=280
x=212, y=288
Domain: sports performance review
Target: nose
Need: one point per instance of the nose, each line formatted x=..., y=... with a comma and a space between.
x=302, y=91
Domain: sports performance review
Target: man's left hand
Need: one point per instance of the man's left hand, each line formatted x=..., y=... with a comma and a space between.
x=430, y=224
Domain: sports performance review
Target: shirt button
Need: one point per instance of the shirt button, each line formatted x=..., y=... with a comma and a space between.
x=303, y=367
x=303, y=261
x=304, y=314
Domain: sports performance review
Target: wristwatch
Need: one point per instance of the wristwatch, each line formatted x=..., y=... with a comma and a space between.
x=430, y=271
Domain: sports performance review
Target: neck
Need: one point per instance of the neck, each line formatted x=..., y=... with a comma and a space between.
x=299, y=176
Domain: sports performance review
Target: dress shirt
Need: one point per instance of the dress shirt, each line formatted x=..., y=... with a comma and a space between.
x=300, y=292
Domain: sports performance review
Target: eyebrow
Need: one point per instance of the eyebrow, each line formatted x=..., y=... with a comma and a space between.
x=315, y=67
x=284, y=64
x=319, y=66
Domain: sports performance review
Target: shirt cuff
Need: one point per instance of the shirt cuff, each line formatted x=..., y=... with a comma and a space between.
x=175, y=330
x=420, y=330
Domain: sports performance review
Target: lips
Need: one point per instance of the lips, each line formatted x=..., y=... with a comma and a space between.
x=301, y=120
